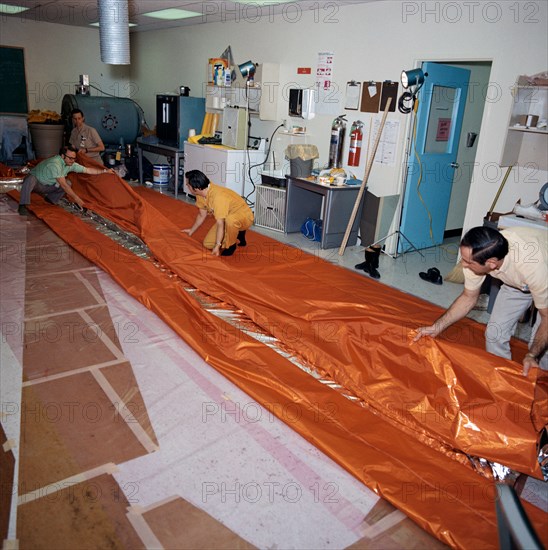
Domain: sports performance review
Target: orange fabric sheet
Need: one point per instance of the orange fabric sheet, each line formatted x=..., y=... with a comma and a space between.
x=423, y=404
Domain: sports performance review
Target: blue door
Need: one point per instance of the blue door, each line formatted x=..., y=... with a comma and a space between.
x=432, y=157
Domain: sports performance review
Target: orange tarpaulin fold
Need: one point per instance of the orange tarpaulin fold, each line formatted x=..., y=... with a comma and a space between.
x=420, y=406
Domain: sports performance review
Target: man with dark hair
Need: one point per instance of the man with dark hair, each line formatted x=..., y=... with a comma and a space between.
x=232, y=215
x=48, y=178
x=519, y=258
x=85, y=138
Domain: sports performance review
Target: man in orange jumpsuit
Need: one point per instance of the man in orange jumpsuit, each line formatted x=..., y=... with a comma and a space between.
x=232, y=215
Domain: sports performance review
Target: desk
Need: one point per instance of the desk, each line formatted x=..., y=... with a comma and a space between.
x=333, y=204
x=159, y=149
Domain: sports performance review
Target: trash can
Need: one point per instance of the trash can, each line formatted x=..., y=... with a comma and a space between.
x=47, y=139
x=301, y=159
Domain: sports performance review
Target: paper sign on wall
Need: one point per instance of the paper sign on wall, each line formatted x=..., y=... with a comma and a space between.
x=386, y=152
x=329, y=97
x=444, y=128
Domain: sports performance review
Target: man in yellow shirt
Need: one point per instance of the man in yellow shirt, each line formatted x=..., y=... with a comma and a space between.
x=519, y=258
x=232, y=215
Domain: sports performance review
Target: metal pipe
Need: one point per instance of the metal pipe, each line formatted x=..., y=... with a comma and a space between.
x=114, y=31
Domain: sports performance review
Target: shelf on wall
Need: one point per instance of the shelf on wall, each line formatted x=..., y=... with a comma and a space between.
x=528, y=130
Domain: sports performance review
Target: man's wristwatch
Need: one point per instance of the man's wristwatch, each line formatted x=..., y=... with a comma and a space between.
x=531, y=355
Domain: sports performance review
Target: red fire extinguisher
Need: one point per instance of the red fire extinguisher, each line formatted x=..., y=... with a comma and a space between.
x=355, y=149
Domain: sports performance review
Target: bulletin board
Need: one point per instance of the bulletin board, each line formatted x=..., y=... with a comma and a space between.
x=13, y=82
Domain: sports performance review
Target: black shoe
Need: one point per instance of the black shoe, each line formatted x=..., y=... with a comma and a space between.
x=22, y=210
x=229, y=251
x=241, y=238
x=374, y=257
x=371, y=270
x=371, y=263
x=433, y=275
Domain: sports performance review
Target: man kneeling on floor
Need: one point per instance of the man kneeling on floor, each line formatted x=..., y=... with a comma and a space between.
x=48, y=178
x=231, y=213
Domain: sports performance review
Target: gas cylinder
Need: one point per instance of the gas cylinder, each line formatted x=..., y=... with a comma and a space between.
x=338, y=131
x=355, y=149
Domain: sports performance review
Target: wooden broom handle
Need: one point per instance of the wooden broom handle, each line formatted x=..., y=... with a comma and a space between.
x=501, y=187
x=365, y=179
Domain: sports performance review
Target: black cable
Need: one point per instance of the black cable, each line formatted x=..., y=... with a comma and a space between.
x=404, y=98
x=409, y=96
x=261, y=163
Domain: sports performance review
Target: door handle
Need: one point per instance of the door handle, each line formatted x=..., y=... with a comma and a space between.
x=454, y=165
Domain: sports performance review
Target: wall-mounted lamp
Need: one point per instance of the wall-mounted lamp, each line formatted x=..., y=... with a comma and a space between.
x=411, y=80
x=114, y=31
x=247, y=69
x=413, y=77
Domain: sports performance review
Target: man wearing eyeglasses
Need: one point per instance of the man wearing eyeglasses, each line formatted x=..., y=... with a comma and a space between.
x=48, y=178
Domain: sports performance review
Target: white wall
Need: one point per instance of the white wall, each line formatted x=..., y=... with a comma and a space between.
x=370, y=41
x=55, y=57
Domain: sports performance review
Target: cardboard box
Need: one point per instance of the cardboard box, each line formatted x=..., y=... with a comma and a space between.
x=529, y=121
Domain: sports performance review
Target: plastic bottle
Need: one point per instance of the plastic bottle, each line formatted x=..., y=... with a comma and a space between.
x=228, y=77
x=121, y=147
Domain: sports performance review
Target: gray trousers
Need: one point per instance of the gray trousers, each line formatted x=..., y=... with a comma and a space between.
x=509, y=306
x=53, y=192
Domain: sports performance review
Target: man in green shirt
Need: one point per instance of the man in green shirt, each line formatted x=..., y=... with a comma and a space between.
x=48, y=178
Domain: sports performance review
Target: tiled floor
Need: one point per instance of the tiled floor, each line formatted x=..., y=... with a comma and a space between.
x=123, y=437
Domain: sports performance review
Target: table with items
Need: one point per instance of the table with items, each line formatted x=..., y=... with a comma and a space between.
x=159, y=149
x=333, y=204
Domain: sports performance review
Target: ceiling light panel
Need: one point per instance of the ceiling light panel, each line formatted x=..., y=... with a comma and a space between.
x=172, y=14
x=263, y=2
x=11, y=10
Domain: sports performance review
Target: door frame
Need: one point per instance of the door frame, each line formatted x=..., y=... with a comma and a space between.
x=392, y=243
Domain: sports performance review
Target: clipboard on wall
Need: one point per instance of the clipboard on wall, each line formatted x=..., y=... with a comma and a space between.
x=389, y=89
x=353, y=91
x=371, y=97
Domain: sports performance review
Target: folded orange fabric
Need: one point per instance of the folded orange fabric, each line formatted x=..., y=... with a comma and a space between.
x=420, y=409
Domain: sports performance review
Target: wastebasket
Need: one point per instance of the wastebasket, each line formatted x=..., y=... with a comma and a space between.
x=47, y=139
x=301, y=159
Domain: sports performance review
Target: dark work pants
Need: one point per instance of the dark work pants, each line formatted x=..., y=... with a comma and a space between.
x=30, y=184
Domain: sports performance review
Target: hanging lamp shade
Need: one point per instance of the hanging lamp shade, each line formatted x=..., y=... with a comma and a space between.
x=114, y=31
